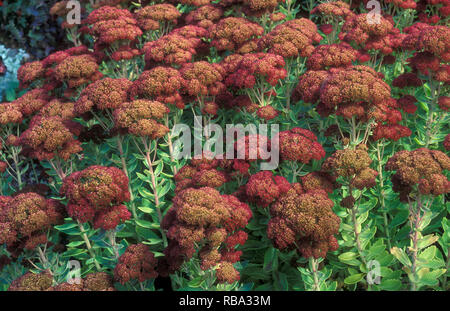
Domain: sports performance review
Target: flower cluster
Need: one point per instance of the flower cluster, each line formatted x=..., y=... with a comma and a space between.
x=137, y=263
x=77, y=70
x=96, y=194
x=325, y=56
x=263, y=188
x=140, y=117
x=210, y=220
x=292, y=38
x=103, y=94
x=334, y=9
x=304, y=220
x=235, y=34
x=422, y=168
x=47, y=137
x=150, y=17
x=26, y=218
x=300, y=145
x=353, y=165
x=205, y=16
x=203, y=78
x=162, y=84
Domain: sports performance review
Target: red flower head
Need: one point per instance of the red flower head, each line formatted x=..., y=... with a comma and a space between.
x=30, y=72
x=150, y=17
x=263, y=188
x=444, y=103
x=235, y=34
x=300, y=145
x=140, y=117
x=202, y=78
x=267, y=113
x=391, y=131
x=77, y=70
x=331, y=56
x=137, y=263
x=205, y=16
x=96, y=194
x=292, y=38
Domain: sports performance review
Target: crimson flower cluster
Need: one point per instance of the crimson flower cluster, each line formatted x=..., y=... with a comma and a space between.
x=96, y=194
x=137, y=263
x=300, y=145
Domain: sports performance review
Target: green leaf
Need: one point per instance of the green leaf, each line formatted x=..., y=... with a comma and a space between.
x=401, y=256
x=390, y=284
x=353, y=279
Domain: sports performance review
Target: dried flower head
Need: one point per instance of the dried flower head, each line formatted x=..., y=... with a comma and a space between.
x=138, y=263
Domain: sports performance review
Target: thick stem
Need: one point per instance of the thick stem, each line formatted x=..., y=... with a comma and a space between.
x=125, y=170
x=313, y=264
x=415, y=223
x=381, y=192
x=88, y=245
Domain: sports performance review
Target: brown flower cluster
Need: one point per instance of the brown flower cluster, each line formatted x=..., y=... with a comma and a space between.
x=353, y=165
x=263, y=188
x=235, y=34
x=292, y=38
x=205, y=222
x=244, y=71
x=58, y=108
x=162, y=84
x=304, y=220
x=137, y=263
x=140, y=117
x=204, y=16
x=325, y=56
x=10, y=113
x=31, y=102
x=390, y=131
x=47, y=137
x=150, y=17
x=110, y=24
x=26, y=217
x=203, y=78
x=422, y=168
x=338, y=10
x=300, y=145
x=178, y=47
x=96, y=194
x=97, y=281
x=77, y=70
x=103, y=94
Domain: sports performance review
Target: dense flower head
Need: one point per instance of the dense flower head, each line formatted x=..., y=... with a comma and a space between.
x=203, y=78
x=32, y=282
x=200, y=174
x=407, y=102
x=95, y=191
x=335, y=9
x=292, y=38
x=446, y=142
x=267, y=113
x=162, y=84
x=30, y=72
x=408, y=79
x=58, y=108
x=110, y=24
x=235, y=34
x=301, y=145
x=77, y=70
x=360, y=29
x=32, y=101
x=226, y=273
x=194, y=2
x=391, y=131
x=433, y=39
x=318, y=180
x=204, y=217
x=421, y=167
x=304, y=220
x=103, y=94
x=309, y=84
x=140, y=117
x=150, y=17
x=27, y=216
x=137, y=263
x=204, y=16
x=10, y=113
x=331, y=56
x=170, y=49
x=263, y=188
x=353, y=165
x=424, y=62
x=243, y=72
x=47, y=137
x=353, y=84
x=125, y=52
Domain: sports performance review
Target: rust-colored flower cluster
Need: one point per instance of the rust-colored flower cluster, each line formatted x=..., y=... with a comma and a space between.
x=304, y=220
x=205, y=222
x=140, y=117
x=292, y=38
x=26, y=218
x=162, y=84
x=96, y=194
x=301, y=145
x=353, y=165
x=137, y=263
x=235, y=34
x=244, y=71
x=104, y=94
x=47, y=137
x=419, y=170
x=77, y=70
x=263, y=188
x=151, y=17
x=203, y=78
x=337, y=10
x=325, y=56
x=204, y=16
